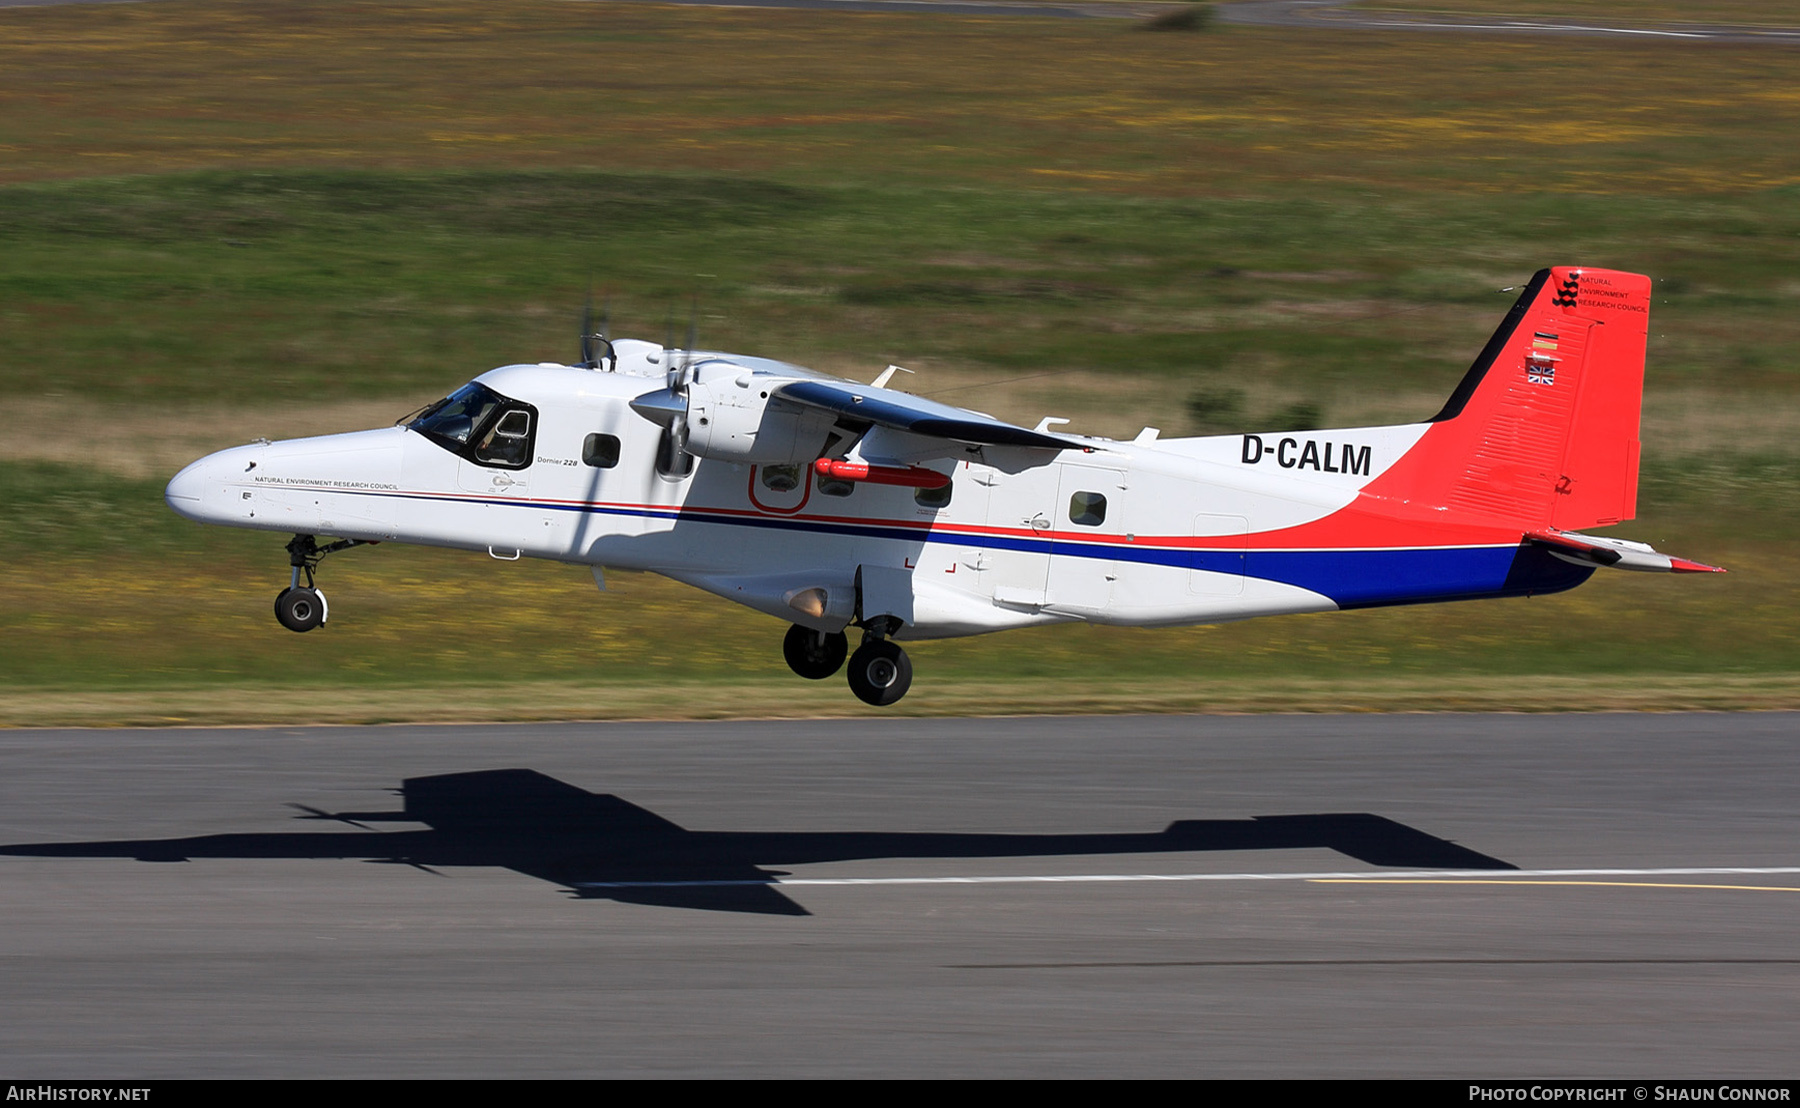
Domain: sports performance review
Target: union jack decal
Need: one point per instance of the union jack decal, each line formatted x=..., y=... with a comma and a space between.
x=1540, y=369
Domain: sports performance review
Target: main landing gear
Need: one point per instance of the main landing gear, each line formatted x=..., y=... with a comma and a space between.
x=879, y=671
x=302, y=608
x=814, y=655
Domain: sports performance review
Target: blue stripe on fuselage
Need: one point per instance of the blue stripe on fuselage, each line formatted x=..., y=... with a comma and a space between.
x=1350, y=578
x=1378, y=578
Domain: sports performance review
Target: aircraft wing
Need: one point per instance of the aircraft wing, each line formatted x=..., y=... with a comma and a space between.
x=917, y=415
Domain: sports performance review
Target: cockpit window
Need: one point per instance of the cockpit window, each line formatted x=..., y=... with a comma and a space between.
x=504, y=444
x=479, y=424
x=456, y=416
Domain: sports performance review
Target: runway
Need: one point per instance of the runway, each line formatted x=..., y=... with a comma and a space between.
x=1433, y=895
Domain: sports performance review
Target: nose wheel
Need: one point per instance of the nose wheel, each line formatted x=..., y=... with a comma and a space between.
x=302, y=607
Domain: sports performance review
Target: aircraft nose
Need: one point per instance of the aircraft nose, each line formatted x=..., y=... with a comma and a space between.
x=188, y=491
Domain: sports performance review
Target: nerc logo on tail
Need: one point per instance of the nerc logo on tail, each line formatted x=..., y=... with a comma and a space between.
x=834, y=505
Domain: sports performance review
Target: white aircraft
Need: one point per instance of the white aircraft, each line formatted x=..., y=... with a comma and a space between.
x=832, y=504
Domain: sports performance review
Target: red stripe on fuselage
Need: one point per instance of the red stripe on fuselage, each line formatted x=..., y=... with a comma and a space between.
x=1362, y=525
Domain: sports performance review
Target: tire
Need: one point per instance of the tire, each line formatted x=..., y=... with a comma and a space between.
x=300, y=609
x=812, y=658
x=880, y=673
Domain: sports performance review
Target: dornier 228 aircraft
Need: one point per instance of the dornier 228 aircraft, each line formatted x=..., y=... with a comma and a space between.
x=835, y=505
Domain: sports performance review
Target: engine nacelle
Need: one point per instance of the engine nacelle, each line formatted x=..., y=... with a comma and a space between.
x=732, y=418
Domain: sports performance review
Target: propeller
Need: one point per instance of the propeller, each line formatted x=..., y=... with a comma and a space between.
x=681, y=378
x=596, y=346
x=669, y=405
x=676, y=378
x=687, y=351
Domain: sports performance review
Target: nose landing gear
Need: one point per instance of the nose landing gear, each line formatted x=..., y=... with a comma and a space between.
x=302, y=607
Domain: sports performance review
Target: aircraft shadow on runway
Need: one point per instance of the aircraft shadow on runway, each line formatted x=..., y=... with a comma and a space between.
x=599, y=846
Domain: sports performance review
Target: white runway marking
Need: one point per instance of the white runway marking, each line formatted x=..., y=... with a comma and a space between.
x=1556, y=27
x=1106, y=878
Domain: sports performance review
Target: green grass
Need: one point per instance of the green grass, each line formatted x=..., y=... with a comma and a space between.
x=102, y=587
x=285, y=286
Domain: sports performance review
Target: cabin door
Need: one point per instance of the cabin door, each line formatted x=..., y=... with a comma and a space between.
x=1090, y=536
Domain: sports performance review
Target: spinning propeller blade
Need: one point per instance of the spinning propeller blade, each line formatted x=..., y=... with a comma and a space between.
x=587, y=332
x=669, y=404
x=687, y=352
x=596, y=346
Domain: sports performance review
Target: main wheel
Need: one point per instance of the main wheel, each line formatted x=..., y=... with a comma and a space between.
x=814, y=655
x=300, y=609
x=880, y=673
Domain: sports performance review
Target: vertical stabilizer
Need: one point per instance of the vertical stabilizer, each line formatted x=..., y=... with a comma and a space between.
x=1543, y=430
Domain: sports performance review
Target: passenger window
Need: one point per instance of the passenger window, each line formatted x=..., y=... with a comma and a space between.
x=781, y=478
x=601, y=451
x=835, y=486
x=933, y=498
x=506, y=444
x=1087, y=509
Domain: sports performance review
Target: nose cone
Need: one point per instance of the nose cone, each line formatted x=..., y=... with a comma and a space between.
x=186, y=493
x=663, y=406
x=200, y=491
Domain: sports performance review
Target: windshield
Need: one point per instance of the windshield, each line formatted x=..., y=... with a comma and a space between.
x=456, y=416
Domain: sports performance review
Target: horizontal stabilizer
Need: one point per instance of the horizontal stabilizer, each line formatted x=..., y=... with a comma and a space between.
x=1616, y=553
x=917, y=415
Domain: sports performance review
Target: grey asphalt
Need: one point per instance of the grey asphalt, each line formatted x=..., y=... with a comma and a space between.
x=770, y=899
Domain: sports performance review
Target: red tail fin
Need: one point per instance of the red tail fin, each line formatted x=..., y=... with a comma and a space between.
x=1543, y=430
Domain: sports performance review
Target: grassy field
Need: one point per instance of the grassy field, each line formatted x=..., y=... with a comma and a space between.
x=223, y=220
